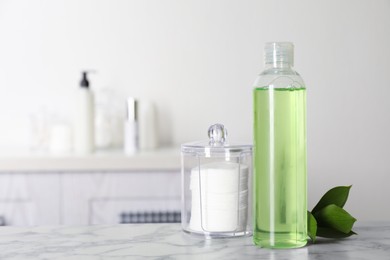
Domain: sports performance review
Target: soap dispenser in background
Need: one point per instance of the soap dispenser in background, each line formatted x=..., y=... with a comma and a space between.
x=84, y=117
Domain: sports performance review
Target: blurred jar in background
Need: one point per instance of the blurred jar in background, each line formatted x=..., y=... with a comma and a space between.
x=60, y=136
x=49, y=132
x=39, y=130
x=108, y=123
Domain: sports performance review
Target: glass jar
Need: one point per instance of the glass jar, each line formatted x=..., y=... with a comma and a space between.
x=216, y=186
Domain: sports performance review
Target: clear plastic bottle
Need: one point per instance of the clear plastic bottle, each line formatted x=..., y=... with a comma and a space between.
x=280, y=192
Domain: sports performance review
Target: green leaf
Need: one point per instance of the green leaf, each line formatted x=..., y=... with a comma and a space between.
x=312, y=226
x=337, y=195
x=335, y=217
x=332, y=233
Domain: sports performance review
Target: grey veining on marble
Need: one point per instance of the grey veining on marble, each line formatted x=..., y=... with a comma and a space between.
x=167, y=241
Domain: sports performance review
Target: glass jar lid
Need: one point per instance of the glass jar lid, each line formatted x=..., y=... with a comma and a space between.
x=217, y=144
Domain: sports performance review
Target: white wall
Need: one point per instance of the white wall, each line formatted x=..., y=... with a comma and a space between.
x=197, y=60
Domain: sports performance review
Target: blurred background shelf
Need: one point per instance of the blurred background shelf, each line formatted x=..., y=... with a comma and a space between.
x=100, y=188
x=164, y=159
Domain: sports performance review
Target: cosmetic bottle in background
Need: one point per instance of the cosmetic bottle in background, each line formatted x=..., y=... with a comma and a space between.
x=84, y=117
x=131, y=127
x=280, y=192
x=148, y=138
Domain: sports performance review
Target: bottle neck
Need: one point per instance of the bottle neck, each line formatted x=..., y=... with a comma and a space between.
x=278, y=65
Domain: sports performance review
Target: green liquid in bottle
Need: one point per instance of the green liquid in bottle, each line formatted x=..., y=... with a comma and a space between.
x=280, y=167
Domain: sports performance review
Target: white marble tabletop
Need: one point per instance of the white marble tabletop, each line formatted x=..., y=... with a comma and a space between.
x=167, y=241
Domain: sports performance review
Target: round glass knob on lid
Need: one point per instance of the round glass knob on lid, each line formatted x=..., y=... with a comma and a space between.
x=217, y=145
x=217, y=134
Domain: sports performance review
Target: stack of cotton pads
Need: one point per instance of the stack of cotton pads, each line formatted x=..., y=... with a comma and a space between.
x=219, y=197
